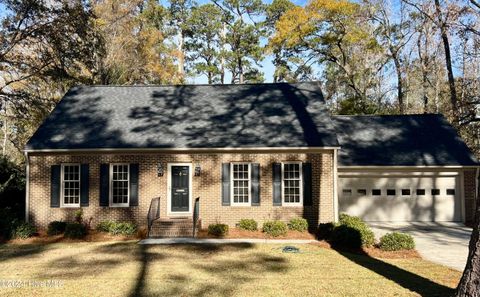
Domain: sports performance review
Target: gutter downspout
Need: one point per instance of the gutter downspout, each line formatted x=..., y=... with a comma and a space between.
x=335, y=181
x=477, y=188
x=27, y=187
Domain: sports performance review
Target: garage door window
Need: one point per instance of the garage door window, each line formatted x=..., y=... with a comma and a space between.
x=347, y=192
x=405, y=192
x=391, y=192
x=362, y=192
x=450, y=191
x=435, y=192
x=376, y=192
x=420, y=192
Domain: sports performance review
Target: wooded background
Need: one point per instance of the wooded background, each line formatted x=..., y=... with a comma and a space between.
x=371, y=57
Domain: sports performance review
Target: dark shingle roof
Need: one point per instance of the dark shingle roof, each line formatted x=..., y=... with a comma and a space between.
x=404, y=140
x=188, y=116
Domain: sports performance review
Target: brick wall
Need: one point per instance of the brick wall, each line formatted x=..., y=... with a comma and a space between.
x=470, y=203
x=207, y=186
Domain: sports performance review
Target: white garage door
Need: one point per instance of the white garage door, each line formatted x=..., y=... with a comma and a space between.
x=401, y=198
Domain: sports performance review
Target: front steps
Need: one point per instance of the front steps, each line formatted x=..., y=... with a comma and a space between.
x=172, y=227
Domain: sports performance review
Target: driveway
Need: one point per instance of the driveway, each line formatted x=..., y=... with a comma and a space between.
x=443, y=243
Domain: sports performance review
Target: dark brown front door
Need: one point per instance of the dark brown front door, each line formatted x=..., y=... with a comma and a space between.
x=180, y=188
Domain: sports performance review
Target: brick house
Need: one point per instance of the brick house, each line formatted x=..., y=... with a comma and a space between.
x=227, y=152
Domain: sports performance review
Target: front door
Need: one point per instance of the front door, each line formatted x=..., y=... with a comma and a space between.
x=180, y=188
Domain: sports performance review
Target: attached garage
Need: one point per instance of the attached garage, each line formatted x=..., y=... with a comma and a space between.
x=400, y=196
x=404, y=168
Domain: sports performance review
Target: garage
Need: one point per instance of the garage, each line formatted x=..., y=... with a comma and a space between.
x=404, y=168
x=401, y=196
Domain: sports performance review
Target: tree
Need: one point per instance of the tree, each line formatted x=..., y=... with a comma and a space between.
x=337, y=35
x=242, y=38
x=204, y=41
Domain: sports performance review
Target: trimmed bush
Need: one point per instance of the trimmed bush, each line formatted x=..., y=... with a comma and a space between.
x=75, y=230
x=123, y=228
x=104, y=226
x=396, y=241
x=56, y=227
x=248, y=224
x=219, y=230
x=352, y=232
x=325, y=230
x=298, y=224
x=275, y=228
x=78, y=215
x=24, y=230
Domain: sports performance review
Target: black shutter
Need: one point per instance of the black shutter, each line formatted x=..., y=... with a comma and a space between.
x=225, y=184
x=104, y=184
x=55, y=172
x=133, y=184
x=307, y=183
x=84, y=184
x=277, y=183
x=255, y=184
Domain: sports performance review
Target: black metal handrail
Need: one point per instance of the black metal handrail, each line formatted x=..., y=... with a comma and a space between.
x=153, y=212
x=196, y=208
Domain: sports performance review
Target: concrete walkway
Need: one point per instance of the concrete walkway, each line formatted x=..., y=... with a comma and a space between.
x=189, y=240
x=442, y=243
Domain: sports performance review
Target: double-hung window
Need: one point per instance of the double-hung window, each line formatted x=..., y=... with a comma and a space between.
x=292, y=191
x=241, y=183
x=119, y=185
x=70, y=185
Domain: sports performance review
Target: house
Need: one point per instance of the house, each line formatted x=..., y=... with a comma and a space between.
x=167, y=154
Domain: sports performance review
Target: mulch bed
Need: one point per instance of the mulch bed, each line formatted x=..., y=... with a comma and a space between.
x=375, y=252
x=235, y=233
x=92, y=236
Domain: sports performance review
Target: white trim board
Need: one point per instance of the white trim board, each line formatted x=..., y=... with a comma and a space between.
x=169, y=190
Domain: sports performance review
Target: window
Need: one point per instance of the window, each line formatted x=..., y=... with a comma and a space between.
x=435, y=192
x=405, y=192
x=362, y=192
x=420, y=192
x=292, y=183
x=241, y=183
x=119, y=181
x=70, y=185
x=391, y=192
x=450, y=191
x=376, y=192
x=347, y=192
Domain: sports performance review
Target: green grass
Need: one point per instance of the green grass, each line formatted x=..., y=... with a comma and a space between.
x=128, y=269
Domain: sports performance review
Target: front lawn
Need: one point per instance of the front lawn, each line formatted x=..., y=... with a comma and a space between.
x=129, y=269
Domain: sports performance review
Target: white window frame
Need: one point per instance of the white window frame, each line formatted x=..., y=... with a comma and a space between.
x=300, y=203
x=62, y=186
x=111, y=186
x=249, y=203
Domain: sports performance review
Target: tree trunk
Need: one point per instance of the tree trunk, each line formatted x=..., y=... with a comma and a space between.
x=240, y=70
x=181, y=55
x=469, y=285
x=222, y=58
x=399, y=81
x=448, y=60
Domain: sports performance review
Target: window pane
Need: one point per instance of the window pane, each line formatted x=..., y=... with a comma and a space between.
x=435, y=192
x=391, y=192
x=376, y=192
x=362, y=191
x=241, y=181
x=71, y=184
x=420, y=192
x=450, y=191
x=291, y=182
x=347, y=192
x=120, y=184
x=406, y=192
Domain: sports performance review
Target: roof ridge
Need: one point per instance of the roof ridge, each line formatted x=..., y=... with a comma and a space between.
x=197, y=85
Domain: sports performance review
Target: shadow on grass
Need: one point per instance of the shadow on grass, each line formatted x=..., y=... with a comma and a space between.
x=228, y=273
x=404, y=278
x=20, y=251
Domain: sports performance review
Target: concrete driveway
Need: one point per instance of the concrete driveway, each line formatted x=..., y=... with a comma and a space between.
x=442, y=243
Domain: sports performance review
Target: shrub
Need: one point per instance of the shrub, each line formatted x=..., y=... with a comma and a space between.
x=275, y=228
x=325, y=230
x=298, y=224
x=75, y=230
x=8, y=222
x=24, y=230
x=78, y=215
x=104, y=226
x=352, y=232
x=248, y=224
x=56, y=227
x=123, y=228
x=218, y=229
x=396, y=241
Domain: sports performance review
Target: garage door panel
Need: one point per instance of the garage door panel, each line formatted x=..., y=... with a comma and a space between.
x=400, y=207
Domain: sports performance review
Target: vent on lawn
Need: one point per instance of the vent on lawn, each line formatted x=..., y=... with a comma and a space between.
x=290, y=249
